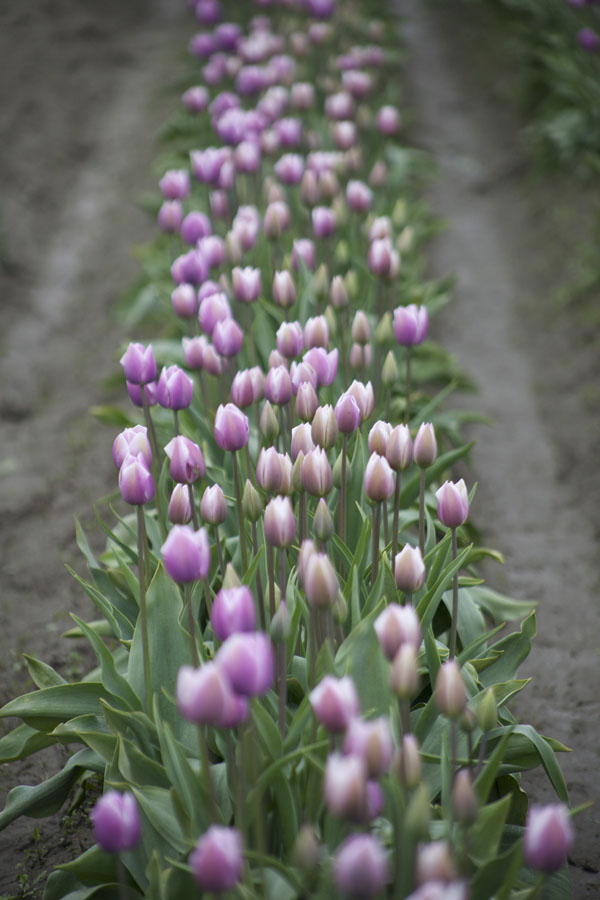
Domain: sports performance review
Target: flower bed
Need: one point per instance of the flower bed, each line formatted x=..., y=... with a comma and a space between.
x=307, y=693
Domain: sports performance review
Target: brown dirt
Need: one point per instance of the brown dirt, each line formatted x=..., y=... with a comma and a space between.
x=509, y=238
x=81, y=100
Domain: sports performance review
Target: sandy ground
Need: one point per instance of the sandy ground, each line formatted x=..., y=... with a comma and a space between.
x=536, y=468
x=81, y=100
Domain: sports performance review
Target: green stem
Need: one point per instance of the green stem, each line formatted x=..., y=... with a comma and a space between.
x=422, y=512
x=122, y=876
x=176, y=422
x=271, y=575
x=454, y=623
x=375, y=550
x=142, y=541
x=282, y=684
x=240, y=512
x=192, y=625
x=408, y=385
x=342, y=504
x=259, y=587
x=205, y=765
x=396, y=516
x=155, y=466
x=195, y=518
x=220, y=552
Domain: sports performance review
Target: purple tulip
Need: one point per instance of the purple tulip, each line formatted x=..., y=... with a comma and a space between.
x=453, y=503
x=185, y=301
x=588, y=40
x=186, y=460
x=378, y=437
x=284, y=291
x=227, y=36
x=410, y=324
x=186, y=554
x=301, y=440
x=360, y=867
x=180, y=507
x=116, y=822
x=345, y=786
x=321, y=584
x=202, y=693
x=213, y=506
x=232, y=611
x=247, y=157
x=324, y=364
x=190, y=267
x=289, y=131
x=290, y=339
x=290, y=168
x=135, y=481
x=196, y=225
x=379, y=257
x=208, y=11
x=278, y=387
x=196, y=98
x=175, y=184
x=395, y=626
x=339, y=106
x=303, y=249
x=247, y=659
x=548, y=837
x=335, y=702
x=399, y=451
x=344, y=136
x=302, y=95
x=363, y=394
x=307, y=403
x=347, y=414
x=316, y=332
x=174, y=389
x=136, y=396
x=317, y=476
x=450, y=695
x=132, y=441
x=409, y=570
x=202, y=45
x=246, y=284
x=217, y=859
x=279, y=522
x=372, y=742
x=139, y=364
x=228, y=337
x=193, y=352
x=213, y=308
x=206, y=164
x=212, y=250
x=388, y=120
x=378, y=481
x=359, y=196
x=232, y=430
x=170, y=216
x=324, y=429
x=357, y=83
x=242, y=389
x=323, y=221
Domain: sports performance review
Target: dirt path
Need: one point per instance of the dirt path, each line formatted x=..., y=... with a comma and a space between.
x=536, y=501
x=81, y=100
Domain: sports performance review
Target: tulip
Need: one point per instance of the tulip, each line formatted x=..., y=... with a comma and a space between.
x=372, y=742
x=404, y=679
x=232, y=611
x=247, y=157
x=247, y=661
x=196, y=98
x=186, y=460
x=242, y=389
x=290, y=168
x=548, y=837
x=360, y=867
x=324, y=364
x=170, y=216
x=212, y=249
x=453, y=503
x=303, y=249
x=212, y=361
x=190, y=267
x=344, y=136
x=307, y=404
x=217, y=860
x=388, y=120
x=309, y=189
x=228, y=337
x=324, y=429
x=379, y=257
x=116, y=822
x=139, y=364
x=180, y=507
x=202, y=693
x=435, y=863
x=186, y=554
x=316, y=332
x=317, y=477
x=290, y=339
x=185, y=301
x=175, y=184
x=135, y=481
x=363, y=394
x=277, y=219
x=206, y=164
x=345, y=786
x=213, y=506
x=269, y=426
x=588, y=39
x=399, y=449
x=232, y=430
x=174, y=389
x=323, y=221
x=410, y=325
x=132, y=441
x=289, y=131
x=271, y=471
x=378, y=437
x=339, y=106
x=279, y=522
x=409, y=570
x=284, y=292
x=378, y=479
x=278, y=387
x=464, y=799
x=395, y=626
x=320, y=581
x=246, y=284
x=450, y=695
x=347, y=413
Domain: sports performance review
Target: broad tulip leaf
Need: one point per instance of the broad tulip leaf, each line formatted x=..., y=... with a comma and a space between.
x=42, y=675
x=45, y=709
x=485, y=834
x=113, y=681
x=362, y=657
x=22, y=741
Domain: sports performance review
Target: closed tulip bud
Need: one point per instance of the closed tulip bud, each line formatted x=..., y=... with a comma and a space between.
x=548, y=837
x=410, y=325
x=232, y=611
x=174, y=389
x=258, y=382
x=338, y=294
x=372, y=742
x=269, y=426
x=242, y=389
x=323, y=523
x=170, y=216
x=193, y=352
x=307, y=402
x=277, y=359
x=136, y=393
x=378, y=175
x=303, y=250
x=347, y=413
x=231, y=579
x=322, y=363
x=232, y=430
x=217, y=860
x=360, y=866
x=310, y=193
x=186, y=554
x=247, y=661
x=435, y=863
x=186, y=460
x=116, y=822
x=408, y=764
x=213, y=506
x=409, y=570
x=359, y=196
x=269, y=472
x=395, y=626
x=281, y=622
x=425, y=448
x=468, y=721
x=135, y=481
x=185, y=301
x=278, y=387
x=234, y=247
x=453, y=503
x=306, y=854
x=296, y=480
x=139, y=364
x=378, y=437
x=219, y=204
x=450, y=694
x=379, y=257
x=301, y=440
x=307, y=548
x=323, y=221
x=131, y=442
x=320, y=581
x=464, y=799
x=487, y=711
x=361, y=330
x=175, y=184
x=316, y=332
x=290, y=339
x=340, y=609
x=418, y=813
x=360, y=356
x=351, y=284
x=388, y=120
x=251, y=503
x=213, y=363
x=345, y=786
x=404, y=675
x=399, y=451
x=228, y=337
x=202, y=693
x=276, y=220
x=363, y=394
x=324, y=427
x=246, y=284
x=194, y=227
x=180, y=507
x=284, y=291
x=279, y=522
x=317, y=477
x=378, y=481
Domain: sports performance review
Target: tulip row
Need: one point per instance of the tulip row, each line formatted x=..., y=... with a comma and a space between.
x=300, y=694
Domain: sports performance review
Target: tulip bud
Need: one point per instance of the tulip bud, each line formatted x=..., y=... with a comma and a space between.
x=278, y=387
x=217, y=860
x=409, y=570
x=247, y=660
x=303, y=250
x=434, y=863
x=186, y=460
x=404, y=675
x=418, y=814
x=323, y=523
x=409, y=764
x=487, y=711
x=135, y=481
x=384, y=333
x=395, y=626
x=232, y=611
x=335, y=702
x=361, y=330
x=269, y=426
x=280, y=623
x=251, y=503
x=378, y=437
x=340, y=609
x=548, y=837
x=279, y=522
x=174, y=388
x=399, y=451
x=338, y=294
x=453, y=503
x=347, y=413
x=363, y=394
x=242, y=389
x=306, y=853
x=132, y=442
x=450, y=694
x=231, y=578
x=324, y=427
x=345, y=786
x=425, y=446
x=307, y=548
x=317, y=477
x=378, y=481
x=180, y=508
x=320, y=581
x=372, y=741
x=169, y=218
x=410, y=325
x=246, y=283
x=316, y=333
x=307, y=402
x=139, y=364
x=232, y=430
x=464, y=799
x=360, y=866
x=202, y=694
x=213, y=506
x=228, y=337
x=116, y=822
x=184, y=301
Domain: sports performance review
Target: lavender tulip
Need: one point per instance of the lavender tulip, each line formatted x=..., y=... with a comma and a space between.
x=185, y=301
x=388, y=120
x=202, y=693
x=195, y=226
x=135, y=481
x=196, y=98
x=320, y=581
x=232, y=611
x=170, y=216
x=213, y=308
x=180, y=507
x=323, y=221
x=186, y=554
x=395, y=626
x=347, y=413
x=410, y=325
x=175, y=184
x=186, y=460
x=228, y=337
x=247, y=660
x=174, y=389
x=278, y=387
x=345, y=786
x=116, y=822
x=279, y=522
x=139, y=364
x=284, y=291
x=378, y=481
x=132, y=441
x=246, y=284
x=232, y=430
x=217, y=859
x=372, y=742
x=453, y=503
x=213, y=506
x=548, y=837
x=360, y=867
x=335, y=702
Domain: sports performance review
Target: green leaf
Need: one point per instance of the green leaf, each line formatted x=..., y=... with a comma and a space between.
x=485, y=779
x=42, y=675
x=21, y=742
x=111, y=679
x=180, y=773
x=410, y=491
x=360, y=656
x=501, y=607
x=515, y=648
x=46, y=708
x=111, y=415
x=157, y=805
x=485, y=834
x=267, y=730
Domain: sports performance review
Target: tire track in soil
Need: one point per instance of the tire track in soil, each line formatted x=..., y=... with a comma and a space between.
x=82, y=100
x=531, y=503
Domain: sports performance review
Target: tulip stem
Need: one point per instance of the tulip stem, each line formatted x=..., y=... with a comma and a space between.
x=195, y=518
x=386, y=523
x=408, y=385
x=282, y=684
x=142, y=541
x=405, y=716
x=122, y=876
x=422, y=512
x=176, y=422
x=220, y=552
x=301, y=508
x=205, y=766
x=342, y=503
x=376, y=532
x=155, y=466
x=454, y=623
x=259, y=587
x=240, y=512
x=271, y=575
x=396, y=516
x=192, y=625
